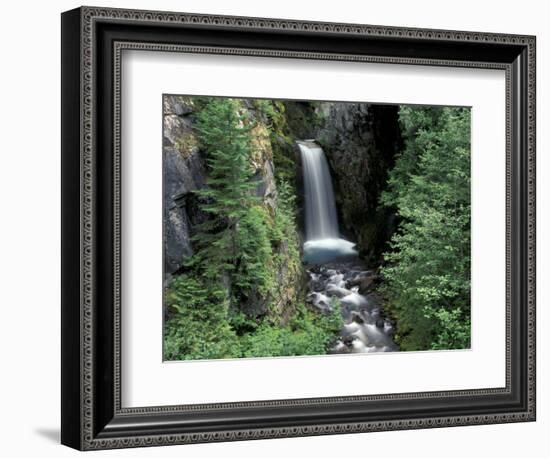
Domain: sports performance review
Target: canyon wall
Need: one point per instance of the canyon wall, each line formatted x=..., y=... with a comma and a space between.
x=360, y=142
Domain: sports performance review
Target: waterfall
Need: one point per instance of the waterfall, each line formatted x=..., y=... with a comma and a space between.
x=321, y=220
x=334, y=269
x=323, y=243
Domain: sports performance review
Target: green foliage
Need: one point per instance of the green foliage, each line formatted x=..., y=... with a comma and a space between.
x=282, y=142
x=454, y=328
x=269, y=114
x=242, y=323
x=202, y=330
x=224, y=134
x=284, y=227
x=255, y=268
x=308, y=333
x=233, y=241
x=198, y=329
x=427, y=271
x=240, y=251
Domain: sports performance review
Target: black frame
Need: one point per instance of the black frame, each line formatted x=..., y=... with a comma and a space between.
x=92, y=42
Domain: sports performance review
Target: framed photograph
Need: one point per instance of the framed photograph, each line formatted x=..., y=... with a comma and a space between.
x=276, y=228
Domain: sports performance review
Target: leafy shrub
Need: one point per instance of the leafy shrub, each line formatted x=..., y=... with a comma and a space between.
x=308, y=333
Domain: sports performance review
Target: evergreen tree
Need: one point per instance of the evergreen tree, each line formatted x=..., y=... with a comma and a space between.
x=234, y=241
x=428, y=268
x=225, y=136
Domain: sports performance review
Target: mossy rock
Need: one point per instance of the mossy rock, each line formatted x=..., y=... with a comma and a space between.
x=187, y=143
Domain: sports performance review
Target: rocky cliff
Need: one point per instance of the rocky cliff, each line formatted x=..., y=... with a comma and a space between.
x=360, y=142
x=185, y=171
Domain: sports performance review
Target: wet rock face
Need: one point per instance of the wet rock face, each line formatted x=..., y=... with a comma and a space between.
x=360, y=142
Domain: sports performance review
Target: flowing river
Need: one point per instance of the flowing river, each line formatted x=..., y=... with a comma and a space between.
x=334, y=268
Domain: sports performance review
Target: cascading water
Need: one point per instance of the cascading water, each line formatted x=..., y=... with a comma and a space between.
x=335, y=270
x=323, y=242
x=321, y=219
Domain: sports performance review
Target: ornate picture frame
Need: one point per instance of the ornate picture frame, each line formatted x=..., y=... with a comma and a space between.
x=93, y=416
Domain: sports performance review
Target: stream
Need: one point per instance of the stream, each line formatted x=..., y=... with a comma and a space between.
x=334, y=269
x=365, y=329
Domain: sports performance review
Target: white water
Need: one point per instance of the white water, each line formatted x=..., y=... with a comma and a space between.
x=335, y=271
x=321, y=219
x=323, y=242
x=365, y=330
x=325, y=250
